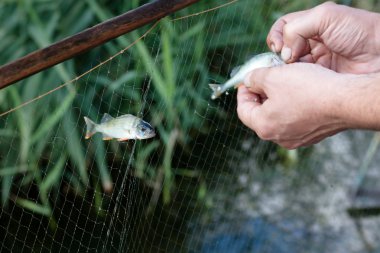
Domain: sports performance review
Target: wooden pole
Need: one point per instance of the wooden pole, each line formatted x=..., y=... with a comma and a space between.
x=88, y=39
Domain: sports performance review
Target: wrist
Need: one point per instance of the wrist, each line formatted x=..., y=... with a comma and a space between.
x=357, y=104
x=375, y=19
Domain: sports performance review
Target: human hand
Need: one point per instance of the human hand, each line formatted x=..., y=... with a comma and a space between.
x=338, y=37
x=294, y=105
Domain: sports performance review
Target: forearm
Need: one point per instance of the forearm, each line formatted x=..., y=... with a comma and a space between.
x=375, y=29
x=358, y=103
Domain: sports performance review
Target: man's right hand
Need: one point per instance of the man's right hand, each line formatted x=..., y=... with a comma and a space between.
x=338, y=37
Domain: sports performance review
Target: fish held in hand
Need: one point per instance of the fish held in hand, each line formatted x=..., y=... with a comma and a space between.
x=122, y=128
x=238, y=74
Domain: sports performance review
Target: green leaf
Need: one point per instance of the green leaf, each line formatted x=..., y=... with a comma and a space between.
x=6, y=185
x=100, y=158
x=12, y=170
x=202, y=191
x=129, y=76
x=192, y=31
x=167, y=166
x=98, y=200
x=142, y=157
x=187, y=172
x=34, y=207
x=54, y=174
x=22, y=121
x=48, y=124
x=75, y=183
x=74, y=147
x=167, y=58
x=153, y=72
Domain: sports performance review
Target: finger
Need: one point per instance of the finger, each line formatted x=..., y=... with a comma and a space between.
x=274, y=38
x=307, y=59
x=275, y=35
x=318, y=49
x=246, y=96
x=247, y=106
x=297, y=32
x=256, y=80
x=295, y=44
x=320, y=53
x=326, y=61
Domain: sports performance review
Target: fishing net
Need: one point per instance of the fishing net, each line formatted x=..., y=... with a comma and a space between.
x=205, y=183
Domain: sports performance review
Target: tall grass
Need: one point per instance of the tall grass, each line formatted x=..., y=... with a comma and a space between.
x=42, y=147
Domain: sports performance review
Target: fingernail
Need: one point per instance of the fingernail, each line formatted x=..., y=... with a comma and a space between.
x=273, y=48
x=286, y=53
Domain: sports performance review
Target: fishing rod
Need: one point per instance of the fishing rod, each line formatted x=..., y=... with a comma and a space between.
x=88, y=39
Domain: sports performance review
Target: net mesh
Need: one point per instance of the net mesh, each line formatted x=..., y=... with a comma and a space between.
x=205, y=183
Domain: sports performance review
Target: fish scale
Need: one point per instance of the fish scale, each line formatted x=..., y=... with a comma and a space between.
x=125, y=127
x=239, y=73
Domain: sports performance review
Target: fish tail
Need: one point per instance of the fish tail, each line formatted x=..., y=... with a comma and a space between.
x=216, y=90
x=91, y=127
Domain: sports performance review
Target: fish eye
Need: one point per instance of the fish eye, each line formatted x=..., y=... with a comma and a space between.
x=144, y=126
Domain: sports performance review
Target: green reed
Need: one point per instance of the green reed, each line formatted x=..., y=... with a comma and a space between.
x=42, y=143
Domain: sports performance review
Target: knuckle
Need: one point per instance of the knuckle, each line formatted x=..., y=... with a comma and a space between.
x=265, y=131
x=288, y=31
x=328, y=4
x=289, y=146
x=262, y=134
x=324, y=8
x=240, y=111
x=249, y=79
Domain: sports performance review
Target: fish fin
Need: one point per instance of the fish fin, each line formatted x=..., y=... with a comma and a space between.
x=126, y=116
x=91, y=127
x=216, y=90
x=106, y=137
x=122, y=139
x=235, y=71
x=106, y=118
x=250, y=56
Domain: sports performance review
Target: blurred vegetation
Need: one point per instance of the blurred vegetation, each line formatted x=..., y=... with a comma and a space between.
x=163, y=78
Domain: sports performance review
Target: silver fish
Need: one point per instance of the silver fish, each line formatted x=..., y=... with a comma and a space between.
x=238, y=74
x=122, y=128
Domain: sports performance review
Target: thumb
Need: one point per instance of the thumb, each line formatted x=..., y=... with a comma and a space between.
x=296, y=35
x=298, y=28
x=248, y=107
x=256, y=81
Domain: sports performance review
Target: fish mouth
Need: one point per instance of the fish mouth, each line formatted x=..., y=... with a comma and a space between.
x=147, y=135
x=144, y=130
x=151, y=134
